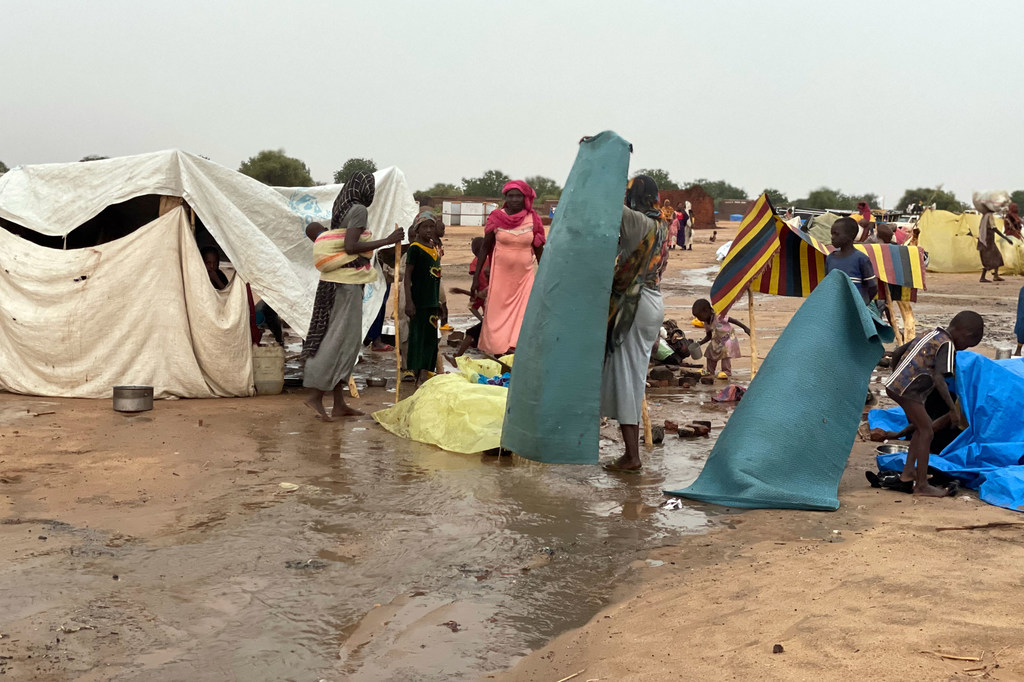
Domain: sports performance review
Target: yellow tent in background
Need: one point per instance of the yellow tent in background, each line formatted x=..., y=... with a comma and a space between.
x=951, y=240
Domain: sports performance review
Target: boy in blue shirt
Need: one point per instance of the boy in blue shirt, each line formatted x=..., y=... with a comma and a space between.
x=850, y=260
x=855, y=264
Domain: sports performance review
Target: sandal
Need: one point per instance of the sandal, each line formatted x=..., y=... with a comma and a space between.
x=386, y=348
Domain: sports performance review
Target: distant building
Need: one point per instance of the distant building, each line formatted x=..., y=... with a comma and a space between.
x=463, y=210
x=702, y=205
x=740, y=207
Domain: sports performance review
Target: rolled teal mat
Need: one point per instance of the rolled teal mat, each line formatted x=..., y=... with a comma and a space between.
x=554, y=398
x=786, y=444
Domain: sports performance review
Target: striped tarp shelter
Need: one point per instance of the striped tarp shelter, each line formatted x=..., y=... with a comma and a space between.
x=772, y=257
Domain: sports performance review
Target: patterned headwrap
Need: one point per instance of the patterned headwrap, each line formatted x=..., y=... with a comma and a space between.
x=424, y=216
x=642, y=196
x=358, y=190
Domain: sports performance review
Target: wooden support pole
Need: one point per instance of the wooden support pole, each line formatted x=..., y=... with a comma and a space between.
x=645, y=414
x=398, y=339
x=909, y=323
x=891, y=307
x=753, y=333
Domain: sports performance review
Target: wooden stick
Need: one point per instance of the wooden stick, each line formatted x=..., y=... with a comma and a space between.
x=565, y=679
x=648, y=431
x=994, y=524
x=973, y=659
x=504, y=367
x=753, y=334
x=398, y=339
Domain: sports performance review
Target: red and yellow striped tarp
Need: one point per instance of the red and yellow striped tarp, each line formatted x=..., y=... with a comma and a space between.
x=773, y=257
x=751, y=251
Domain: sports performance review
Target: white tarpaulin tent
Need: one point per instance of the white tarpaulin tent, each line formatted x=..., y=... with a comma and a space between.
x=260, y=229
x=139, y=310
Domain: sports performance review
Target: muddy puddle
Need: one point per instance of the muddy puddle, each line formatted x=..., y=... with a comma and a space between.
x=391, y=560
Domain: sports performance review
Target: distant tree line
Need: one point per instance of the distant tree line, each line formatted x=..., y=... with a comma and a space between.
x=276, y=168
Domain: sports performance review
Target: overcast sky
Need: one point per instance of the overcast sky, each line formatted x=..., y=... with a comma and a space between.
x=860, y=96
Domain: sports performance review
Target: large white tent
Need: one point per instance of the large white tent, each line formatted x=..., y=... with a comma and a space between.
x=64, y=314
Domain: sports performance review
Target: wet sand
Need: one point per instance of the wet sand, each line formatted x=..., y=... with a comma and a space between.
x=163, y=547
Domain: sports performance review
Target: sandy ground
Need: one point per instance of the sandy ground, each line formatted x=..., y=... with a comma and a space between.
x=855, y=594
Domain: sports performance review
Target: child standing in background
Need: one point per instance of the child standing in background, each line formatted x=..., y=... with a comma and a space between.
x=719, y=331
x=851, y=261
x=422, y=297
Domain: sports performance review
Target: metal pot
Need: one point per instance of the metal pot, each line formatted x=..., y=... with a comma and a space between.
x=892, y=449
x=133, y=398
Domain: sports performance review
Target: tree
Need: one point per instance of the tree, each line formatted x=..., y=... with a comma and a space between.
x=825, y=198
x=719, y=190
x=487, y=185
x=1015, y=198
x=660, y=176
x=777, y=197
x=3, y=168
x=546, y=188
x=354, y=166
x=440, y=189
x=93, y=157
x=871, y=199
x=926, y=196
x=277, y=169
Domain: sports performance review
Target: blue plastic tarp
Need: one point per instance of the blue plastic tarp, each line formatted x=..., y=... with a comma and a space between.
x=554, y=397
x=786, y=444
x=989, y=455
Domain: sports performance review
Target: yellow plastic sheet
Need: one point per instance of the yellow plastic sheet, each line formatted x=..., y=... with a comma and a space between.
x=452, y=411
x=951, y=240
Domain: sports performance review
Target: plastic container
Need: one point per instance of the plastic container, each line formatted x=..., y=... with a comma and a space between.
x=268, y=369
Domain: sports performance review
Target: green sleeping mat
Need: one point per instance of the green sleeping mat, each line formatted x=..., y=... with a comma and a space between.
x=787, y=442
x=554, y=398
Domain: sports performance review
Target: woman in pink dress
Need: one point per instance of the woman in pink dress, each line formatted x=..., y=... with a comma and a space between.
x=513, y=241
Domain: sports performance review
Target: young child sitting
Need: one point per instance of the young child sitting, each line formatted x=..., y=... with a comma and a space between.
x=920, y=367
x=850, y=260
x=422, y=297
x=718, y=329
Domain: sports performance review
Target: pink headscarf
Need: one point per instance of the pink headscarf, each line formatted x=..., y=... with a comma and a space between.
x=501, y=219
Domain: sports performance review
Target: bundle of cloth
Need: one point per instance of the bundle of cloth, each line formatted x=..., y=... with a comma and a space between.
x=988, y=455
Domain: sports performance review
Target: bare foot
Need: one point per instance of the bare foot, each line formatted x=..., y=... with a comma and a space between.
x=997, y=278
x=983, y=279
x=316, y=403
x=624, y=463
x=930, y=491
x=345, y=411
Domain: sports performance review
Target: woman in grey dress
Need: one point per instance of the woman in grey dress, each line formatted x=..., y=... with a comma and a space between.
x=342, y=255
